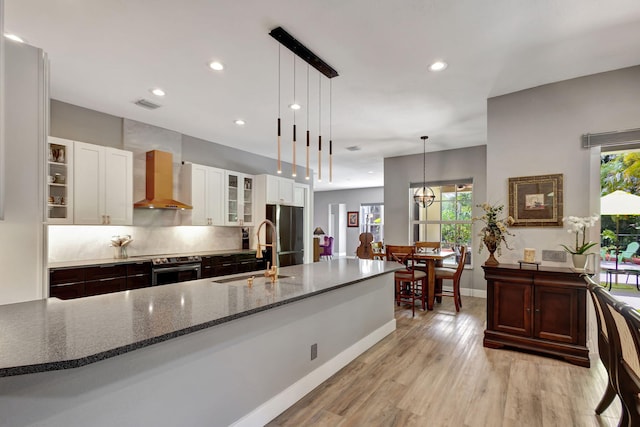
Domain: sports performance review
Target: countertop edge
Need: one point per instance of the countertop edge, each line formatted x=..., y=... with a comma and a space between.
x=83, y=361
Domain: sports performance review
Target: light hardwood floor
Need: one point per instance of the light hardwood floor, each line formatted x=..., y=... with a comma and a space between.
x=434, y=371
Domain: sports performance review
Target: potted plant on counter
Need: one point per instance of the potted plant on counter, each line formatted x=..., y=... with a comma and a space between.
x=579, y=225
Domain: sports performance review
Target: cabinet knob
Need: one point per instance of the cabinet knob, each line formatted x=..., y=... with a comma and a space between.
x=528, y=310
x=537, y=310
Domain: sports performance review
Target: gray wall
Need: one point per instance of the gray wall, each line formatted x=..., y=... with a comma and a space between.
x=82, y=124
x=399, y=172
x=352, y=199
x=537, y=131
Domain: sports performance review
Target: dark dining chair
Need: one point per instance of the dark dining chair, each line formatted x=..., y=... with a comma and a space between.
x=627, y=321
x=453, y=274
x=410, y=283
x=604, y=347
x=610, y=311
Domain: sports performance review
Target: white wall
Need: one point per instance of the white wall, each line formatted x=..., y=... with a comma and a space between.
x=537, y=131
x=21, y=232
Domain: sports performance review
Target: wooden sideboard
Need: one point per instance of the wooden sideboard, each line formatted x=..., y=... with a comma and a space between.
x=538, y=310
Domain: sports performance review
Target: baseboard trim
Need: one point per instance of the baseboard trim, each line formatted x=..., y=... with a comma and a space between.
x=279, y=403
x=478, y=293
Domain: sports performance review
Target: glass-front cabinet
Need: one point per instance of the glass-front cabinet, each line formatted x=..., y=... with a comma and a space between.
x=59, y=181
x=238, y=198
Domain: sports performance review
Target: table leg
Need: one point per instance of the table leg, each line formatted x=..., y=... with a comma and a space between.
x=431, y=282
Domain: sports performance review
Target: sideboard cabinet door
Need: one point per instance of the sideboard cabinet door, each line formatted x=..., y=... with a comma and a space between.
x=511, y=308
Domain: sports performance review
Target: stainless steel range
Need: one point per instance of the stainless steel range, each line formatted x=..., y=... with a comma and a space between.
x=174, y=269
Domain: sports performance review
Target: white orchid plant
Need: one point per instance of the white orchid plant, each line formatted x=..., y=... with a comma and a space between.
x=579, y=225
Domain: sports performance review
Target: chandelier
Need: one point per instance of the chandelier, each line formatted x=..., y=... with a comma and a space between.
x=424, y=196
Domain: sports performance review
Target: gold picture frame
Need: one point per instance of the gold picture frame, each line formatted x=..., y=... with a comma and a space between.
x=536, y=201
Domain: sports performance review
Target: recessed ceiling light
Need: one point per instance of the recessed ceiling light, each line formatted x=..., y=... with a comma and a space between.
x=438, y=66
x=370, y=172
x=239, y=122
x=295, y=106
x=158, y=92
x=14, y=37
x=215, y=65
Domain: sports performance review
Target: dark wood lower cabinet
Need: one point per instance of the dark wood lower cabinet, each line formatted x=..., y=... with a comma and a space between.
x=538, y=310
x=67, y=291
x=77, y=282
x=104, y=286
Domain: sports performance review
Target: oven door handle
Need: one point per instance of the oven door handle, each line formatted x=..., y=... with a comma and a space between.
x=185, y=267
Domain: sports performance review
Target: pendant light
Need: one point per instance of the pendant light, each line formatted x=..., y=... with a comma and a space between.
x=293, y=169
x=319, y=129
x=279, y=132
x=287, y=40
x=424, y=196
x=307, y=174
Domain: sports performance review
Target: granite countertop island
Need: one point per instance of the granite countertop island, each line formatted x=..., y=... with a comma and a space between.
x=53, y=334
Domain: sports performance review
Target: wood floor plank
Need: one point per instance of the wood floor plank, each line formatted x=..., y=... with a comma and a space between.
x=434, y=371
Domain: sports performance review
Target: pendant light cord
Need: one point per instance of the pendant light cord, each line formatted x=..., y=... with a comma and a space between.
x=424, y=163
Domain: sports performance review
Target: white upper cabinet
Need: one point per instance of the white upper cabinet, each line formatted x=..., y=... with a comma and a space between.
x=278, y=190
x=299, y=194
x=203, y=188
x=238, y=198
x=103, y=185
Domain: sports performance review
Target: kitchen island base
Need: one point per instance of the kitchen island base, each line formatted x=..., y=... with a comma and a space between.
x=242, y=372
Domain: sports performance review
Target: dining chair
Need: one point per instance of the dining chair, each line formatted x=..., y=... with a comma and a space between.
x=428, y=245
x=627, y=321
x=604, y=347
x=423, y=246
x=609, y=305
x=410, y=284
x=453, y=274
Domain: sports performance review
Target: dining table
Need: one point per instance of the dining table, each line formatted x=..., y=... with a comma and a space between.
x=432, y=260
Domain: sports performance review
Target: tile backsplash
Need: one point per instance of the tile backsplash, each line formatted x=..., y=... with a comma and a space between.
x=84, y=242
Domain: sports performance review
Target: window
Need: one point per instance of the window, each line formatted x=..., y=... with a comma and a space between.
x=372, y=220
x=448, y=220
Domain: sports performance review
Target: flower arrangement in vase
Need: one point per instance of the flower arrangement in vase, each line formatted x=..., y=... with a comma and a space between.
x=494, y=231
x=579, y=225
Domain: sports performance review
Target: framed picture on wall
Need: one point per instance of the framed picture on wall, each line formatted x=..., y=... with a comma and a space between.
x=352, y=219
x=536, y=201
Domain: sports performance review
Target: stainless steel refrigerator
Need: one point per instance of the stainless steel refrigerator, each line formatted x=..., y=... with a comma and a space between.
x=290, y=226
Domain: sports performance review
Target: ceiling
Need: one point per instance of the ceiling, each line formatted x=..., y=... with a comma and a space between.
x=104, y=55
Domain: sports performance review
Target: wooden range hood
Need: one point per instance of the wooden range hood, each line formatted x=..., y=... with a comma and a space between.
x=159, y=183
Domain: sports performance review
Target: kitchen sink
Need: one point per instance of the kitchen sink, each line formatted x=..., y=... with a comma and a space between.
x=239, y=278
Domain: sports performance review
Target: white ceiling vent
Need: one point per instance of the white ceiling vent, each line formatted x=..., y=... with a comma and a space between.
x=144, y=103
x=354, y=148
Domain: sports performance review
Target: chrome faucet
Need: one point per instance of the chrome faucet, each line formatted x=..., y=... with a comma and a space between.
x=271, y=272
